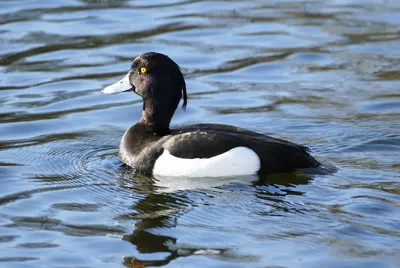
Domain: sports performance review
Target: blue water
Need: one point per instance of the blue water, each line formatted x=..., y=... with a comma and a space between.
x=321, y=73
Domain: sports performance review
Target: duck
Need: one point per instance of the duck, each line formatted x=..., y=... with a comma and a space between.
x=151, y=147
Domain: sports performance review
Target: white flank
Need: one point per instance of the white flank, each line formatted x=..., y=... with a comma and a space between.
x=237, y=161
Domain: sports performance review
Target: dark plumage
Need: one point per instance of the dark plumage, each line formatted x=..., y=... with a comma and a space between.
x=158, y=80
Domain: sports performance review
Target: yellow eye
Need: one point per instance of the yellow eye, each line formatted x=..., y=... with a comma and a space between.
x=143, y=70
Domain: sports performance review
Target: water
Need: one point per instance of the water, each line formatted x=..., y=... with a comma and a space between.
x=322, y=73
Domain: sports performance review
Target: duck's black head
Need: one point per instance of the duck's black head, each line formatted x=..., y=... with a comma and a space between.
x=159, y=81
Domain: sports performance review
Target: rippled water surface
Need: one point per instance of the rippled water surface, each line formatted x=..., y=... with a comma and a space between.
x=320, y=73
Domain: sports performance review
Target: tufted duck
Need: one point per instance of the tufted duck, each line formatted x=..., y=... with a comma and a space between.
x=201, y=150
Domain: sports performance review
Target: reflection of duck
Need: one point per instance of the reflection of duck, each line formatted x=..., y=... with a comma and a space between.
x=157, y=215
x=151, y=147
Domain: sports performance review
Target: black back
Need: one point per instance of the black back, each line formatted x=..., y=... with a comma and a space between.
x=209, y=140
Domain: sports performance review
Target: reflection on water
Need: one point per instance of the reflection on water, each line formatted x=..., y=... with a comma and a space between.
x=321, y=73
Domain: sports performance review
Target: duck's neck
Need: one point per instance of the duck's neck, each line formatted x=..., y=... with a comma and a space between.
x=150, y=124
x=156, y=118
